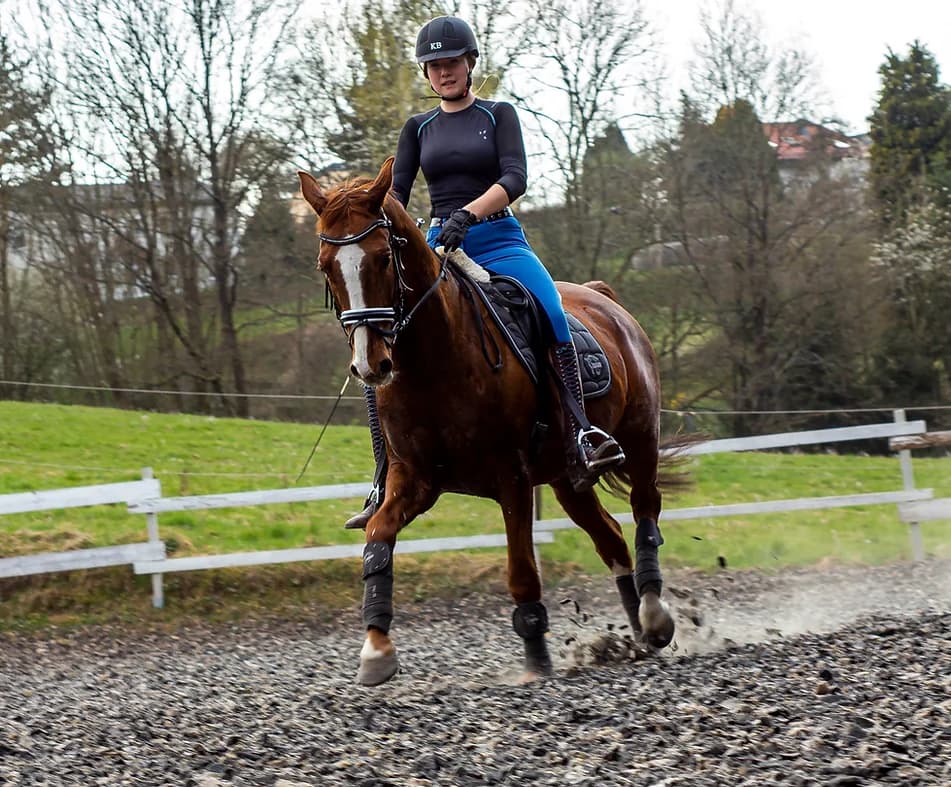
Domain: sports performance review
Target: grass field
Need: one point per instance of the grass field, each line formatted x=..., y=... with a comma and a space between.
x=52, y=446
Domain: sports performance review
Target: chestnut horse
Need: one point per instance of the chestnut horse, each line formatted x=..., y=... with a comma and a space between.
x=453, y=423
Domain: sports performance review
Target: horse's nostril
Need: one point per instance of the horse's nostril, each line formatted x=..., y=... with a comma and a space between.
x=386, y=366
x=353, y=370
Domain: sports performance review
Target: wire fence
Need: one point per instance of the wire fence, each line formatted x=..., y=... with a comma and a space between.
x=359, y=398
x=709, y=421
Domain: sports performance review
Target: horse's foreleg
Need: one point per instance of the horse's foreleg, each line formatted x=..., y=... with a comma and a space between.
x=378, y=658
x=530, y=618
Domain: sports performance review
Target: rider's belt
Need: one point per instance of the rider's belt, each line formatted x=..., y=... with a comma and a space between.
x=499, y=214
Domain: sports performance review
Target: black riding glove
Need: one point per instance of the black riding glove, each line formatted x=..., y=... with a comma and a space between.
x=454, y=229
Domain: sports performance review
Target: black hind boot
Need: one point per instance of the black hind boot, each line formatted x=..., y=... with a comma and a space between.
x=375, y=498
x=590, y=449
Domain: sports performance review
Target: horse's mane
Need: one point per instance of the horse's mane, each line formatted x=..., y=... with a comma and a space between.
x=341, y=198
x=346, y=195
x=604, y=288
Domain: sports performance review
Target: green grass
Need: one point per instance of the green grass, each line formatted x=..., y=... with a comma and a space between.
x=861, y=534
x=53, y=446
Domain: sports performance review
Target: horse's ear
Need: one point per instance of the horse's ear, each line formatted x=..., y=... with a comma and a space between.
x=381, y=186
x=312, y=192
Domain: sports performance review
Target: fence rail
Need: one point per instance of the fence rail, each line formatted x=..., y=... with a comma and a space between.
x=98, y=557
x=201, y=562
x=926, y=510
x=79, y=496
x=305, y=494
x=765, y=507
x=813, y=437
x=144, y=497
x=128, y=492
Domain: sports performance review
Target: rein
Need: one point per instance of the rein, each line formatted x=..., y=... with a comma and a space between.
x=320, y=437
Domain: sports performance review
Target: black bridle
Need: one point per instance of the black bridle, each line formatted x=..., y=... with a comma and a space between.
x=395, y=316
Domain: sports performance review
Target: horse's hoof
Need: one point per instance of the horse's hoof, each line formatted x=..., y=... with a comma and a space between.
x=540, y=669
x=377, y=670
x=378, y=659
x=656, y=621
x=530, y=676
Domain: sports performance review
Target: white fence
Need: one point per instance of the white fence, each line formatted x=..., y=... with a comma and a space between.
x=144, y=497
x=129, y=492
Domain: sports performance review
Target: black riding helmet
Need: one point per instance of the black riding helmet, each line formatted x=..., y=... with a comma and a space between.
x=445, y=36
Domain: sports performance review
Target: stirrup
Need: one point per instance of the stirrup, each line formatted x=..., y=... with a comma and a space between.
x=608, y=452
x=371, y=504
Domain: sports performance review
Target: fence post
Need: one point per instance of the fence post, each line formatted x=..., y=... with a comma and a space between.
x=908, y=479
x=151, y=521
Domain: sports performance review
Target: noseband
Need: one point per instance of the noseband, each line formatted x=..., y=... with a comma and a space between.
x=372, y=317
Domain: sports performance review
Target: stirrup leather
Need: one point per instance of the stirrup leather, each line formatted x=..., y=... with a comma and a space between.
x=609, y=452
x=374, y=498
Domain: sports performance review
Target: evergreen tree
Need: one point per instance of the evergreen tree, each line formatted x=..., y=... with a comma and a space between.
x=734, y=159
x=911, y=135
x=277, y=251
x=910, y=179
x=611, y=219
x=585, y=67
x=615, y=186
x=383, y=87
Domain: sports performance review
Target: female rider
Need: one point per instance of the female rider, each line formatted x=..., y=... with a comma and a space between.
x=472, y=155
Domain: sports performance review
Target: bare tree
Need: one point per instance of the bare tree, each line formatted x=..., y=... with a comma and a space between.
x=584, y=67
x=734, y=63
x=176, y=105
x=773, y=259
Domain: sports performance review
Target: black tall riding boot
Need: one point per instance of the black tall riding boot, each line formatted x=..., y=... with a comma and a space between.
x=375, y=498
x=590, y=449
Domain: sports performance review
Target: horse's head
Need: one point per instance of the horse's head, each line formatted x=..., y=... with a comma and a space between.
x=359, y=255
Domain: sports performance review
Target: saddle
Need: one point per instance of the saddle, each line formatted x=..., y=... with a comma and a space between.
x=517, y=315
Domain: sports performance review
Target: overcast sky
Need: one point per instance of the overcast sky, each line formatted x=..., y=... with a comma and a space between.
x=848, y=40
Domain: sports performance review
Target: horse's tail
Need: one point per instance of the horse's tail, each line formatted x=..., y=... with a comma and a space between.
x=672, y=475
x=604, y=288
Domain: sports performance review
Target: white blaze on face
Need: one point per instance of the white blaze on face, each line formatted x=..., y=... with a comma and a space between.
x=350, y=260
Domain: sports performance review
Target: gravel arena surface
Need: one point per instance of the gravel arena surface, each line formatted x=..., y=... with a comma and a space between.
x=820, y=676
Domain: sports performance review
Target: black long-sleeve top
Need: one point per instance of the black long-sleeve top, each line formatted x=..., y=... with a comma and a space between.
x=461, y=154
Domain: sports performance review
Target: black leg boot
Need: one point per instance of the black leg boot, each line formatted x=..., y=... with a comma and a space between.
x=375, y=498
x=590, y=449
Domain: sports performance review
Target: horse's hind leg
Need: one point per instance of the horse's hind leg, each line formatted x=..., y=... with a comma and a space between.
x=655, y=618
x=586, y=511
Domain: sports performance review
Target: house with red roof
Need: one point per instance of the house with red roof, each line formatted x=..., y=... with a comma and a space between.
x=802, y=141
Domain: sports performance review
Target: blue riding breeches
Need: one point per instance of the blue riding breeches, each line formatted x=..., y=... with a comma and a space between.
x=500, y=246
